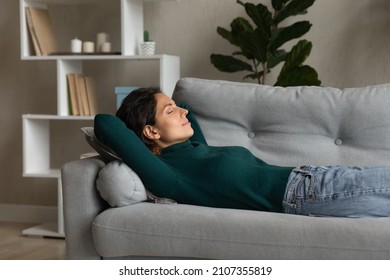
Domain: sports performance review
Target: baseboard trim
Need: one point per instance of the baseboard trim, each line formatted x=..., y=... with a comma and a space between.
x=27, y=213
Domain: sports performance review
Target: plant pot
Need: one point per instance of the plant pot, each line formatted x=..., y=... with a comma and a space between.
x=147, y=48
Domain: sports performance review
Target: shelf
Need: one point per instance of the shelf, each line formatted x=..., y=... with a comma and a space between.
x=97, y=57
x=44, y=230
x=36, y=144
x=56, y=117
x=75, y=2
x=36, y=127
x=169, y=73
x=132, y=23
x=51, y=229
x=49, y=173
x=65, y=2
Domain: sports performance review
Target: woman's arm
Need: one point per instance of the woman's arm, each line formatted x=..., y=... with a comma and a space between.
x=198, y=133
x=155, y=174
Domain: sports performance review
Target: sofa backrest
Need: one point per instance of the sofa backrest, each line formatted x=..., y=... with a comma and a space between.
x=296, y=125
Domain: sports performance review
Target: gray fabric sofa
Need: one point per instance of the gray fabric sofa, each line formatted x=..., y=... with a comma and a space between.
x=283, y=126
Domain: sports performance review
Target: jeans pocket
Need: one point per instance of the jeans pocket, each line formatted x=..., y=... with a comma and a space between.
x=291, y=201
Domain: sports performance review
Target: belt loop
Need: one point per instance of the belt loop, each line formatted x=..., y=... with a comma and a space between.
x=311, y=187
x=307, y=171
x=299, y=168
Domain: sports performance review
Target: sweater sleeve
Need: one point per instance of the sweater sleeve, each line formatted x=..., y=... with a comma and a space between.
x=154, y=173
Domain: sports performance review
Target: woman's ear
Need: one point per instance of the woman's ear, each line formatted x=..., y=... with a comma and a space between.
x=151, y=133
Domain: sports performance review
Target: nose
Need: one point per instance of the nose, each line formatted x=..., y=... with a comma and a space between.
x=184, y=112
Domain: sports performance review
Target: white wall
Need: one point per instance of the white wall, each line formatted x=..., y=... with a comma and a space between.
x=350, y=39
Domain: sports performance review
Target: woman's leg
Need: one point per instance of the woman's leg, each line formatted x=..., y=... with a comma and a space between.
x=339, y=191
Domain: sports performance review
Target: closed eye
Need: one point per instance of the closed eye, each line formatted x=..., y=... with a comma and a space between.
x=170, y=108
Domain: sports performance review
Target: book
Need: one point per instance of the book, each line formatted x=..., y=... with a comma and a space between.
x=73, y=95
x=78, y=94
x=82, y=95
x=91, y=93
x=33, y=35
x=41, y=31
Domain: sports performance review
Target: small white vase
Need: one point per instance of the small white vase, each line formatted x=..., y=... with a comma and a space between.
x=147, y=48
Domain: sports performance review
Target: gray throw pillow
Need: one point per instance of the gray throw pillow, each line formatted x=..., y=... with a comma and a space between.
x=119, y=185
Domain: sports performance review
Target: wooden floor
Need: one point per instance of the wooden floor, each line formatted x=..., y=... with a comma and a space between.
x=15, y=246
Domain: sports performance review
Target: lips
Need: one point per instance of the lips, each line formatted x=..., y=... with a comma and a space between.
x=186, y=123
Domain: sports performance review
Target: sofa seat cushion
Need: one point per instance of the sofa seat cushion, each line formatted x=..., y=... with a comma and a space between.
x=177, y=230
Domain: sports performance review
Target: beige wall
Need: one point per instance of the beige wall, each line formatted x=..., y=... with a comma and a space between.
x=351, y=39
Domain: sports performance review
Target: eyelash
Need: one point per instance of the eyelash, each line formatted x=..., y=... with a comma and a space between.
x=171, y=111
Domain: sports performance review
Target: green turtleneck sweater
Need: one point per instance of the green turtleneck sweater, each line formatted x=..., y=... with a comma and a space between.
x=194, y=173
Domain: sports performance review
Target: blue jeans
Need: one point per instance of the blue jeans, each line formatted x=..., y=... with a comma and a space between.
x=338, y=191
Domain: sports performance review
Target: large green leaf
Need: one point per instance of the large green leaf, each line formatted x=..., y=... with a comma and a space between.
x=293, y=73
x=278, y=4
x=276, y=57
x=297, y=56
x=254, y=44
x=285, y=34
x=239, y=25
x=226, y=34
x=294, y=7
x=261, y=16
x=299, y=76
x=229, y=64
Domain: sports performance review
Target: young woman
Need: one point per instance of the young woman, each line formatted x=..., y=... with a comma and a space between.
x=174, y=161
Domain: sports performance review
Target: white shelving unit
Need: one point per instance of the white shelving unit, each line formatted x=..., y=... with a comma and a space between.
x=36, y=128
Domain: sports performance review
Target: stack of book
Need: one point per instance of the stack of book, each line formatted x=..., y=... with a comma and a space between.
x=41, y=31
x=82, y=95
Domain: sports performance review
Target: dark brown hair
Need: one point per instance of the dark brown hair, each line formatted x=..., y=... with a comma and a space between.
x=137, y=110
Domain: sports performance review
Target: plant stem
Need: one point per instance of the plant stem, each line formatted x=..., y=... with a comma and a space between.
x=265, y=69
x=256, y=71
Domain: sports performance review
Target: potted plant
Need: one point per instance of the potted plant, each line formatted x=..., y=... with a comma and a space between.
x=260, y=44
x=147, y=47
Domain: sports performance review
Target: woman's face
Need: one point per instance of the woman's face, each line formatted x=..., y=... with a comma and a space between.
x=172, y=125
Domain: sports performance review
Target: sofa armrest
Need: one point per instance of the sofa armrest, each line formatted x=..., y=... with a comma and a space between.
x=82, y=203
